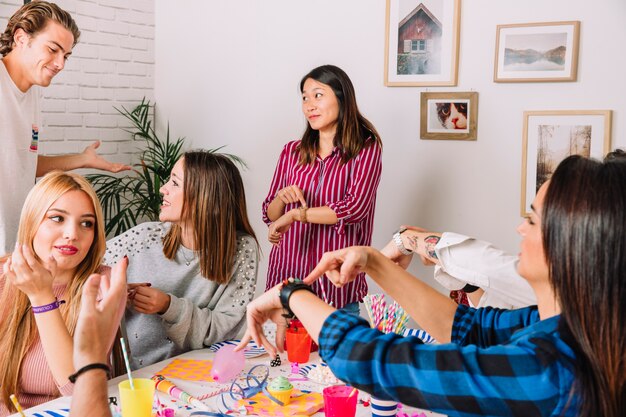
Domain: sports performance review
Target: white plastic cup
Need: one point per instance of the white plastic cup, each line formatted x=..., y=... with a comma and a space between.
x=383, y=408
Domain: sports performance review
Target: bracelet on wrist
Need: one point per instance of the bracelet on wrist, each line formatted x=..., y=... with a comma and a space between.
x=290, y=286
x=303, y=214
x=47, y=307
x=91, y=366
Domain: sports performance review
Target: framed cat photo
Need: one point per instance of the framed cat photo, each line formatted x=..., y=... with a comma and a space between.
x=449, y=115
x=553, y=135
x=537, y=52
x=422, y=42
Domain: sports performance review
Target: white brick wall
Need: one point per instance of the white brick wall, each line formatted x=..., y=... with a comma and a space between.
x=112, y=66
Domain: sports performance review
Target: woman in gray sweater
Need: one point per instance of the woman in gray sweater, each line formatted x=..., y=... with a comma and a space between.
x=191, y=275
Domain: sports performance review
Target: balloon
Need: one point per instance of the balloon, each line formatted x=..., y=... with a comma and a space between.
x=227, y=364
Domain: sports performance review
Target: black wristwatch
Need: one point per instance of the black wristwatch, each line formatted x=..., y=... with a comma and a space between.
x=290, y=286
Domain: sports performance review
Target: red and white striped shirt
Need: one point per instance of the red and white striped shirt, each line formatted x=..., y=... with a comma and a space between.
x=350, y=191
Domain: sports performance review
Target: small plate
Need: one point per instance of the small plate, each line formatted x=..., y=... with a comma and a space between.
x=251, y=351
x=306, y=369
x=65, y=412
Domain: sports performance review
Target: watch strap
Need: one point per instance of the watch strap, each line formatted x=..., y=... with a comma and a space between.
x=469, y=288
x=397, y=239
x=290, y=286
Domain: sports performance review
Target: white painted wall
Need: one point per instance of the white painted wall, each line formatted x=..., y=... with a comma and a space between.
x=227, y=74
x=112, y=66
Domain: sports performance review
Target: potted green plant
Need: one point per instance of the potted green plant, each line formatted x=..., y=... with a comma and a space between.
x=127, y=199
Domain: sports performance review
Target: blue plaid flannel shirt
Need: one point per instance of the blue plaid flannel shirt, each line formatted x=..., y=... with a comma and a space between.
x=501, y=363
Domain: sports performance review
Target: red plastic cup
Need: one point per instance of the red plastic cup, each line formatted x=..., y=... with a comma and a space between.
x=298, y=345
x=338, y=402
x=297, y=323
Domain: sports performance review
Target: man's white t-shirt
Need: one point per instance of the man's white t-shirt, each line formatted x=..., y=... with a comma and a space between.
x=19, y=140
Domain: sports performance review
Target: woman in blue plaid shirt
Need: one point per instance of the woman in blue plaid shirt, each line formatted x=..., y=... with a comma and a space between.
x=566, y=356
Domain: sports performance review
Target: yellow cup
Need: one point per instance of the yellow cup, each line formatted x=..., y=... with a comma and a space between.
x=137, y=402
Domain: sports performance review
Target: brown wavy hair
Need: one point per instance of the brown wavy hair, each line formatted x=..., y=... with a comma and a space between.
x=584, y=238
x=214, y=204
x=32, y=18
x=17, y=324
x=353, y=130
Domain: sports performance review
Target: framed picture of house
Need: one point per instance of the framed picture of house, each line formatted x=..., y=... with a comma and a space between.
x=551, y=136
x=536, y=52
x=448, y=115
x=422, y=42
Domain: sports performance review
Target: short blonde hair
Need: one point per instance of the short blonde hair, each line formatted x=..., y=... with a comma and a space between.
x=32, y=18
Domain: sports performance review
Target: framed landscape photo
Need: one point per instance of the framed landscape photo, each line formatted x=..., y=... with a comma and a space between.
x=551, y=136
x=449, y=115
x=422, y=42
x=537, y=52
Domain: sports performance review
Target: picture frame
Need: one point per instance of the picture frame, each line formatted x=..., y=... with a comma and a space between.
x=422, y=42
x=449, y=116
x=537, y=52
x=551, y=136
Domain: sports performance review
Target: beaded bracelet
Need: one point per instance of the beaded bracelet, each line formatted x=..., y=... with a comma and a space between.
x=48, y=307
x=89, y=367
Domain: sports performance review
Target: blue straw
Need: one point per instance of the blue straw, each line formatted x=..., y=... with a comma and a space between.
x=130, y=377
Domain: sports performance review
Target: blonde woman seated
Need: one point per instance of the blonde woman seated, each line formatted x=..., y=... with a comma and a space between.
x=192, y=274
x=60, y=244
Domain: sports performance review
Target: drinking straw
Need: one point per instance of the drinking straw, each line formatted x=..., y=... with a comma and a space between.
x=352, y=392
x=323, y=291
x=17, y=405
x=168, y=387
x=130, y=377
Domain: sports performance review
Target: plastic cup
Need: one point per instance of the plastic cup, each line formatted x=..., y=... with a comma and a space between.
x=137, y=402
x=338, y=402
x=383, y=408
x=298, y=345
x=297, y=323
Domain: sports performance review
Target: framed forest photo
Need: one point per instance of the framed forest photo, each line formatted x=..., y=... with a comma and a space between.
x=537, y=52
x=422, y=42
x=551, y=136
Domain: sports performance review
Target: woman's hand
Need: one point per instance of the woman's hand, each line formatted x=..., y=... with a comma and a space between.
x=280, y=227
x=150, y=300
x=341, y=266
x=29, y=275
x=264, y=308
x=291, y=194
x=132, y=289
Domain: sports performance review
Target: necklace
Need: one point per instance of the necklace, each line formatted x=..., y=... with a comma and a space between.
x=188, y=261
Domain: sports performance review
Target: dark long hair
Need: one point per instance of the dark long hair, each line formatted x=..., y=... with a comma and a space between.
x=353, y=129
x=214, y=204
x=584, y=237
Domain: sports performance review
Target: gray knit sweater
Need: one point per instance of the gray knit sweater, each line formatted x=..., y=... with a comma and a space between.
x=201, y=312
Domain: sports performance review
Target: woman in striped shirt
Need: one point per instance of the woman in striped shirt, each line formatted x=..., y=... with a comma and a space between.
x=323, y=193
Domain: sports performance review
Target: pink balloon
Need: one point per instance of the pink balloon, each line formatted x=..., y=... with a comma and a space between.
x=227, y=364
